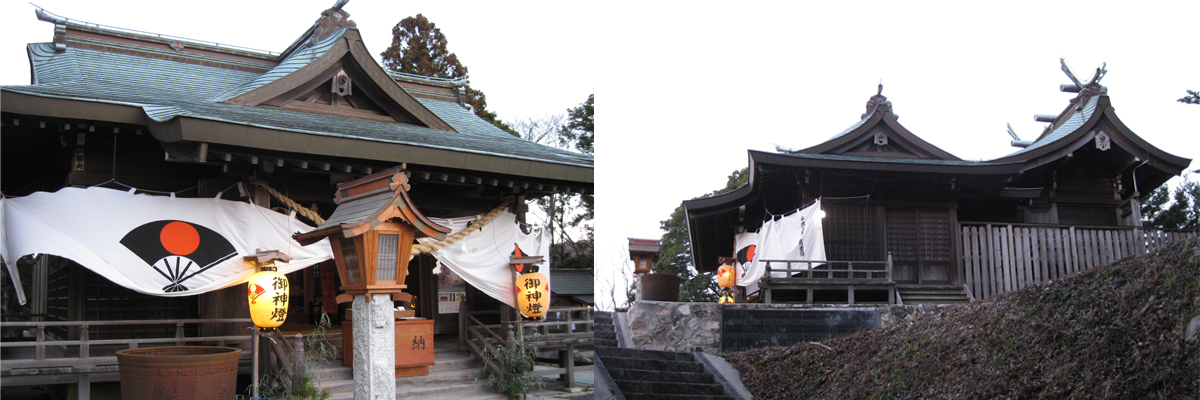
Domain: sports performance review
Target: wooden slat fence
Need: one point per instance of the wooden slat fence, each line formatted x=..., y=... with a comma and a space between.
x=998, y=258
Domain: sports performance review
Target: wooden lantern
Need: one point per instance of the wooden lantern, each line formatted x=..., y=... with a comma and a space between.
x=375, y=261
x=533, y=294
x=267, y=291
x=725, y=276
x=372, y=232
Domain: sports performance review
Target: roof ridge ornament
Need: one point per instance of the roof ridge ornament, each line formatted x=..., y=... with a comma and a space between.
x=1091, y=88
x=331, y=20
x=877, y=101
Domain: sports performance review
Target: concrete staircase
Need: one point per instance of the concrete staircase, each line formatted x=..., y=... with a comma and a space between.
x=455, y=375
x=654, y=375
x=932, y=295
x=605, y=333
x=649, y=374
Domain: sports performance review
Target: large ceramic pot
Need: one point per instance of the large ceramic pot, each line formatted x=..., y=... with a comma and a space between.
x=660, y=287
x=183, y=372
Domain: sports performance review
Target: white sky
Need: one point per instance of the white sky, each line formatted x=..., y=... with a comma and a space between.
x=685, y=88
x=531, y=59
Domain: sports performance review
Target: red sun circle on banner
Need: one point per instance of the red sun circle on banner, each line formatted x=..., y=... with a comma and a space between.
x=179, y=238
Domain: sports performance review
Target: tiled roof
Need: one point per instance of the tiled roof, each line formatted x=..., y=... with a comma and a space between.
x=572, y=282
x=1066, y=128
x=168, y=89
x=356, y=211
x=855, y=126
x=920, y=161
x=298, y=59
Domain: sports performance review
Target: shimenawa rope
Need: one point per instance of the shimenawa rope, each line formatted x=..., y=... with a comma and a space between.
x=417, y=248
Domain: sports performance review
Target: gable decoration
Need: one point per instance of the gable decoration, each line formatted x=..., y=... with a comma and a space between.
x=157, y=245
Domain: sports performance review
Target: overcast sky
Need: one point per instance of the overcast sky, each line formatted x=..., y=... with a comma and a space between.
x=685, y=88
x=531, y=59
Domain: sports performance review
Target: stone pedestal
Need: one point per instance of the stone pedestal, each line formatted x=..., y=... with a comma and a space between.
x=374, y=348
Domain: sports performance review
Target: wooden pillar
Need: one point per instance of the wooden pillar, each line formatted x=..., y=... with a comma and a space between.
x=254, y=356
x=428, y=289
x=38, y=295
x=84, y=390
x=566, y=358
x=229, y=302
x=75, y=298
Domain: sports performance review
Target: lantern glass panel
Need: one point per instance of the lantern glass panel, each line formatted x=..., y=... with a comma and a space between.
x=350, y=257
x=385, y=264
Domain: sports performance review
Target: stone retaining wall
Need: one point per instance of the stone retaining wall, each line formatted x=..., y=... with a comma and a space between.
x=686, y=327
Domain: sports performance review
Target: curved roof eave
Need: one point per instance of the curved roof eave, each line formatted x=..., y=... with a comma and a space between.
x=741, y=195
x=1078, y=137
x=1154, y=152
x=1055, y=142
x=851, y=133
x=238, y=134
x=893, y=164
x=864, y=126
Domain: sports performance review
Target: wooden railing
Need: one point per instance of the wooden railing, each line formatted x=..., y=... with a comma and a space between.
x=826, y=271
x=836, y=275
x=563, y=331
x=998, y=258
x=281, y=355
x=76, y=356
x=480, y=339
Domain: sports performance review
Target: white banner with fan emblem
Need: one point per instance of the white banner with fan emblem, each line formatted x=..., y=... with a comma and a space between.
x=792, y=237
x=156, y=245
x=482, y=258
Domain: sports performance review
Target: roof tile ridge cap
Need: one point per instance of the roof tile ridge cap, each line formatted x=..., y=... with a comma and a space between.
x=855, y=125
x=309, y=48
x=117, y=31
x=306, y=48
x=156, y=50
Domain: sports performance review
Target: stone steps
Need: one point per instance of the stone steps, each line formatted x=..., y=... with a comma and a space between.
x=455, y=391
x=651, y=374
x=604, y=334
x=662, y=396
x=455, y=375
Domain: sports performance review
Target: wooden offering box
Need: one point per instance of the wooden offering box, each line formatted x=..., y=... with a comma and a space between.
x=414, y=345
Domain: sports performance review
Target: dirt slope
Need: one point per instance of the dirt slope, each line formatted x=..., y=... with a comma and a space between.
x=1116, y=332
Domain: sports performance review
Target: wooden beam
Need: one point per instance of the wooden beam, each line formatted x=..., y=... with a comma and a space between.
x=222, y=156
x=250, y=159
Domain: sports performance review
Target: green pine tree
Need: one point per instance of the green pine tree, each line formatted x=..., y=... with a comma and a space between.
x=419, y=47
x=675, y=250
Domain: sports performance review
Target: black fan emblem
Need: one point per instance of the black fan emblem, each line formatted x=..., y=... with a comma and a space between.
x=178, y=250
